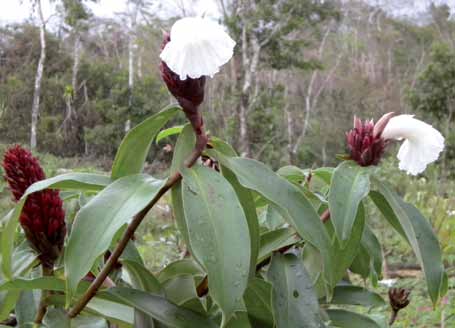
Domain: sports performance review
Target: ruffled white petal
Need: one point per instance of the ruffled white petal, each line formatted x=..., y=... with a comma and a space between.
x=198, y=47
x=422, y=143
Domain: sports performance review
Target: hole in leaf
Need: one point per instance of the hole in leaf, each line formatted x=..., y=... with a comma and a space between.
x=295, y=293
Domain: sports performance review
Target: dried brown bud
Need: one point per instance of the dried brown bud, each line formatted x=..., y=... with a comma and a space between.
x=399, y=299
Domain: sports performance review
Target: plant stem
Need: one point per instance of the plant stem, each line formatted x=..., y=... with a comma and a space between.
x=201, y=142
x=42, y=309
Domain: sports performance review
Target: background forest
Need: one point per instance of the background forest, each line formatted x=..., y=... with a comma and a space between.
x=302, y=69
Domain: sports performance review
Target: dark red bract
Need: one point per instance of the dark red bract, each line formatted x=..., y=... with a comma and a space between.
x=42, y=217
x=189, y=92
x=364, y=146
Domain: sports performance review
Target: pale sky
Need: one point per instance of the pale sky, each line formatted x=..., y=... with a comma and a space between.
x=19, y=10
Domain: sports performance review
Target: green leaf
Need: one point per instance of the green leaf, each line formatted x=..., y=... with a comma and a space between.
x=294, y=301
x=350, y=184
x=421, y=237
x=7, y=239
x=168, y=132
x=346, y=319
x=112, y=311
x=7, y=303
x=258, y=301
x=218, y=234
x=25, y=309
x=183, y=148
x=70, y=181
x=293, y=205
x=57, y=318
x=343, y=257
x=97, y=222
x=239, y=321
x=372, y=246
x=247, y=202
x=356, y=295
x=141, y=278
x=273, y=217
x=47, y=283
x=274, y=240
x=180, y=289
x=160, y=309
x=180, y=267
x=133, y=150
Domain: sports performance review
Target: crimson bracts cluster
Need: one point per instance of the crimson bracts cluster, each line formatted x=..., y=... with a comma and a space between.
x=42, y=217
x=365, y=146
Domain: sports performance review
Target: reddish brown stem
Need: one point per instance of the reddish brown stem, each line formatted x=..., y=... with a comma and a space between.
x=201, y=142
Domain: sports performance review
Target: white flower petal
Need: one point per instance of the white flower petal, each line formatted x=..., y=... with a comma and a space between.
x=422, y=143
x=198, y=47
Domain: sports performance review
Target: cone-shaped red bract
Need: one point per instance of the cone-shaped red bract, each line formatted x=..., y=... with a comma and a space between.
x=42, y=217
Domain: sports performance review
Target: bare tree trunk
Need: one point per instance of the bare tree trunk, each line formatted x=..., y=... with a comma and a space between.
x=38, y=78
x=131, y=57
x=250, y=65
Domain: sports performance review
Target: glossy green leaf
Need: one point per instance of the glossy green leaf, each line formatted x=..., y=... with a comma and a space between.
x=294, y=301
x=8, y=301
x=273, y=218
x=70, y=181
x=240, y=320
x=47, y=283
x=185, y=266
x=356, y=295
x=258, y=301
x=343, y=257
x=247, y=202
x=168, y=132
x=118, y=313
x=141, y=278
x=57, y=318
x=293, y=205
x=7, y=240
x=218, y=234
x=346, y=319
x=25, y=309
x=162, y=310
x=274, y=240
x=183, y=148
x=97, y=223
x=421, y=237
x=180, y=289
x=350, y=184
x=133, y=150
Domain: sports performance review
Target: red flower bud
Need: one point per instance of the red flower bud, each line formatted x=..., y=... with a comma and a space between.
x=42, y=217
x=364, y=146
x=189, y=92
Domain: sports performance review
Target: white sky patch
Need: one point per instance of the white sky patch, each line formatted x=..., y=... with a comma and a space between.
x=13, y=11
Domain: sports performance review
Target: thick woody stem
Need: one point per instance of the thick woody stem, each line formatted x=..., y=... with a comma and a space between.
x=201, y=142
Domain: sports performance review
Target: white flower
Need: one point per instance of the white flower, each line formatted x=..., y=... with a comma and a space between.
x=421, y=146
x=198, y=47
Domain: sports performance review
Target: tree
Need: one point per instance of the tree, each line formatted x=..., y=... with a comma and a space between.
x=434, y=91
x=38, y=76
